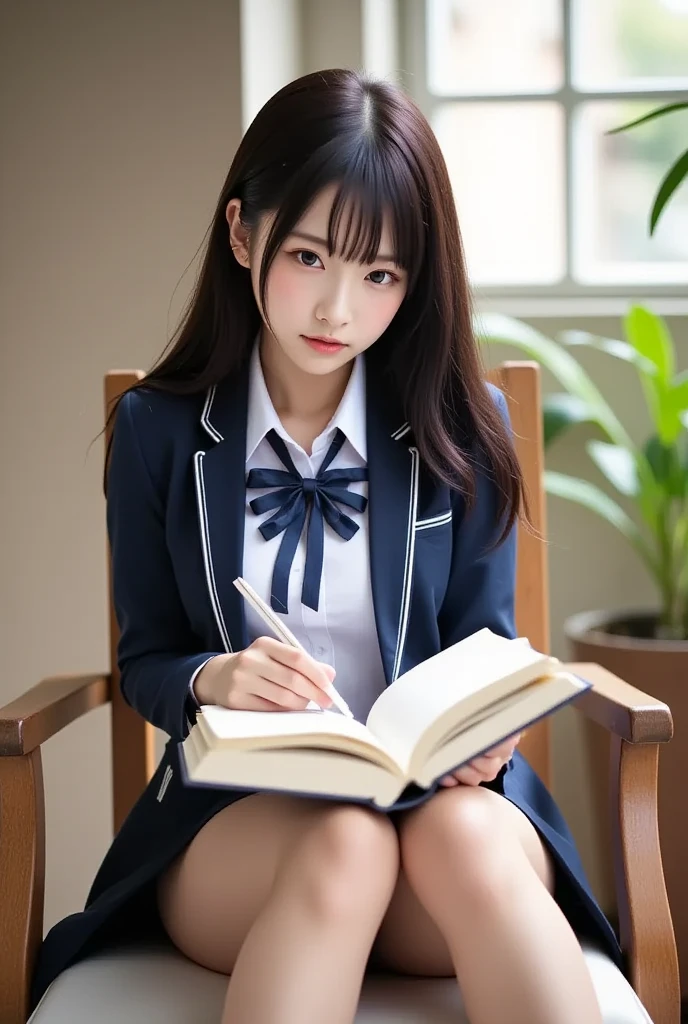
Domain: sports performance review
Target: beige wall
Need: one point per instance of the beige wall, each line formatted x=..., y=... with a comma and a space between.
x=118, y=122
x=331, y=34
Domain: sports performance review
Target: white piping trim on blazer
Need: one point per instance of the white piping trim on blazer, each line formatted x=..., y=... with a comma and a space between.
x=166, y=779
x=403, y=429
x=207, y=554
x=408, y=564
x=425, y=524
x=205, y=416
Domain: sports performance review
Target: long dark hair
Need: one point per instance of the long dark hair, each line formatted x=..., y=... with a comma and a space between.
x=371, y=141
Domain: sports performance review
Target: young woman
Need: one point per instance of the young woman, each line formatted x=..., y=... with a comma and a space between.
x=330, y=330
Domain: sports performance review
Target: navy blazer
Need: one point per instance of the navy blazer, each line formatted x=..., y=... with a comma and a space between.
x=176, y=513
x=176, y=507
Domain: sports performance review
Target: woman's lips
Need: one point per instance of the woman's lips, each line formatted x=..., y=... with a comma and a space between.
x=322, y=345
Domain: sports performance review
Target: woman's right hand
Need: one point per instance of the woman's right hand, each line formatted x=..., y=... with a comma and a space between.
x=267, y=676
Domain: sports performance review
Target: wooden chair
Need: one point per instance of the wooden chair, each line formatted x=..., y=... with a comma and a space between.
x=148, y=985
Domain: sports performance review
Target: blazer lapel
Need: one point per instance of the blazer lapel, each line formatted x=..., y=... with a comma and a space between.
x=220, y=474
x=393, y=481
x=393, y=470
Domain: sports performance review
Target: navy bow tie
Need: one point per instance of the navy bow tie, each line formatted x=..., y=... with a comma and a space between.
x=297, y=499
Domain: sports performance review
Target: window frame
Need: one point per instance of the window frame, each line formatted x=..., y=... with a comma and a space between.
x=412, y=43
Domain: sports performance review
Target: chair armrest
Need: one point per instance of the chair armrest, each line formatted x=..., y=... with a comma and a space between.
x=637, y=723
x=46, y=708
x=626, y=712
x=25, y=723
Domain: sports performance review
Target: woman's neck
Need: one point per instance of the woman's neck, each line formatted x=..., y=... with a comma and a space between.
x=304, y=402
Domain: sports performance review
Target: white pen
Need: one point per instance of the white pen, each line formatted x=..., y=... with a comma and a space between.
x=268, y=616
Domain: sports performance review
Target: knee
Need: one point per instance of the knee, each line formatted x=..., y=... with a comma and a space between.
x=348, y=860
x=457, y=839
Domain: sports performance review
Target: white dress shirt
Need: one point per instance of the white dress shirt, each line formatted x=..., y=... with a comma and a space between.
x=342, y=632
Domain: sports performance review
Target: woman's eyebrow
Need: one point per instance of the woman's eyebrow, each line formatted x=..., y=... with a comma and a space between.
x=322, y=241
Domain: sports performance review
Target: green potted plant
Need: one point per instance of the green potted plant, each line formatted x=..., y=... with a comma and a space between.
x=651, y=480
x=676, y=173
x=645, y=498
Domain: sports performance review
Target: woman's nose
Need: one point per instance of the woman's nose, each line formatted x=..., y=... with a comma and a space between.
x=334, y=306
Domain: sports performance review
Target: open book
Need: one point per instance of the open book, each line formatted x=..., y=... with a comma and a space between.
x=428, y=722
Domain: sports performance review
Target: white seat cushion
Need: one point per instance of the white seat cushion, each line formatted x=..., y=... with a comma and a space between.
x=157, y=985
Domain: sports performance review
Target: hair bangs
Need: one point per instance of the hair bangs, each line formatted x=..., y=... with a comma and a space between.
x=371, y=185
x=377, y=186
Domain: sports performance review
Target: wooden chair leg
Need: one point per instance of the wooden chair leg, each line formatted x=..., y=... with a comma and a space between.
x=22, y=879
x=647, y=933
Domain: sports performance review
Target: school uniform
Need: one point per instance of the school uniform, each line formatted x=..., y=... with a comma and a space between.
x=399, y=571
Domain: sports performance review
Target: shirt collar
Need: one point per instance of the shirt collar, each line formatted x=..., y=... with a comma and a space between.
x=349, y=416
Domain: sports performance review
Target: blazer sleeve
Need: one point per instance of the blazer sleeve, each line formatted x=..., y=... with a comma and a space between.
x=482, y=578
x=158, y=653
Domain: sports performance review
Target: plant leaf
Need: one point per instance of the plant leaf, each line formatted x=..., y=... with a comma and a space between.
x=666, y=465
x=617, y=465
x=650, y=337
x=667, y=418
x=498, y=328
x=561, y=411
x=620, y=467
x=672, y=401
x=658, y=112
x=612, y=347
x=679, y=391
x=671, y=181
x=591, y=497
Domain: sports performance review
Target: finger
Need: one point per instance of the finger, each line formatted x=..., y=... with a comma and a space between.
x=290, y=679
x=448, y=781
x=487, y=765
x=488, y=768
x=263, y=664
x=298, y=661
x=504, y=749
x=256, y=703
x=468, y=776
x=283, y=696
x=251, y=702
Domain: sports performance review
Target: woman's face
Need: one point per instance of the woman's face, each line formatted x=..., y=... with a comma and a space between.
x=311, y=295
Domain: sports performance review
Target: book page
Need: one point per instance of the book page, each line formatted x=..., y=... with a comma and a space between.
x=464, y=677
x=326, y=773
x=515, y=713
x=261, y=730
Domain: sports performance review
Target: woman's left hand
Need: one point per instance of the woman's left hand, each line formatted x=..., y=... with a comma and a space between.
x=484, y=768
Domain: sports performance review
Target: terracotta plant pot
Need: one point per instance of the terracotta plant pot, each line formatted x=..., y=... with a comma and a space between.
x=622, y=643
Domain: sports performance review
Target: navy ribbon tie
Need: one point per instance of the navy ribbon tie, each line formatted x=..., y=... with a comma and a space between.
x=299, y=499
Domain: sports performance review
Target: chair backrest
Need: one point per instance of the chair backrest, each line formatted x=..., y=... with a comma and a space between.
x=520, y=382
x=133, y=739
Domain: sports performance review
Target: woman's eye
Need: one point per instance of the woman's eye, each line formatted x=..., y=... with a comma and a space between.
x=378, y=277
x=307, y=258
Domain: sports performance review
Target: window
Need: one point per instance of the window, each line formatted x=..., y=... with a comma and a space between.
x=521, y=94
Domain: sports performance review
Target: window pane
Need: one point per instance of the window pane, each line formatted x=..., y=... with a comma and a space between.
x=621, y=44
x=493, y=46
x=615, y=178
x=505, y=161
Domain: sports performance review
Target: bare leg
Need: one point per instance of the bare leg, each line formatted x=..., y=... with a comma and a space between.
x=476, y=884
x=287, y=896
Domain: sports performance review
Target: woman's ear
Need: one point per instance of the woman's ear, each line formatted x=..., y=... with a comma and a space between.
x=238, y=234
